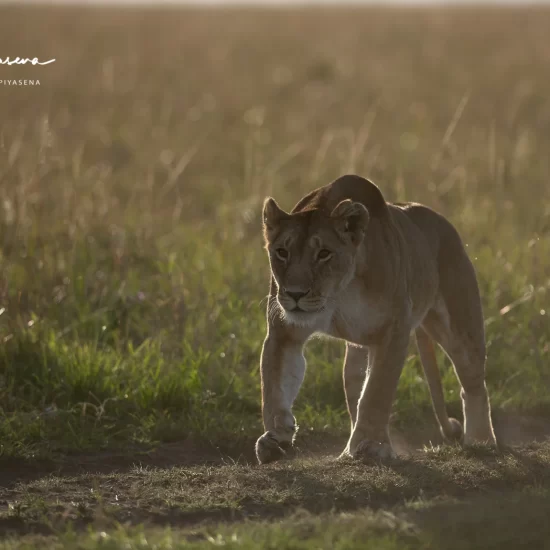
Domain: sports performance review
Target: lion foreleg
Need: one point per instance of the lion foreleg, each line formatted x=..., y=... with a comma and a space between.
x=355, y=367
x=282, y=371
x=370, y=435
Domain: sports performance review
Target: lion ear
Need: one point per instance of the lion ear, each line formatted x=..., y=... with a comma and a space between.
x=272, y=214
x=352, y=219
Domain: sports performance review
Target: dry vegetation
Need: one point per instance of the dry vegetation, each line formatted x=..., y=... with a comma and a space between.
x=132, y=274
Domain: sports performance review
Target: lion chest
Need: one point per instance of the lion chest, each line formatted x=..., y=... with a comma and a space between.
x=358, y=318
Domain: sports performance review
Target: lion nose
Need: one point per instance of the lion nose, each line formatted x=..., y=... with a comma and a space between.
x=296, y=295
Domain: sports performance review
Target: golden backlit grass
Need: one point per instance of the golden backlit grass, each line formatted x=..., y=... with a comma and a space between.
x=132, y=275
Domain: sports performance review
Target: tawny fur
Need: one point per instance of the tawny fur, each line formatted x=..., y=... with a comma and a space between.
x=369, y=272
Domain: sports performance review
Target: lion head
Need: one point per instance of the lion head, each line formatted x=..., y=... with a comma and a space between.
x=312, y=254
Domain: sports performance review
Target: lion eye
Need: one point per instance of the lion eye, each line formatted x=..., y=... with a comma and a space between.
x=324, y=254
x=282, y=253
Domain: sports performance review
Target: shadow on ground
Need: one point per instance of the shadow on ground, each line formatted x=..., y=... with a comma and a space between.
x=511, y=430
x=186, y=484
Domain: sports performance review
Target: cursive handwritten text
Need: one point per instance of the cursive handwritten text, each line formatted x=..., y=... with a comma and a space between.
x=24, y=61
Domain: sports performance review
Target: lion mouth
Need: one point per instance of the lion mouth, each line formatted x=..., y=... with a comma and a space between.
x=299, y=310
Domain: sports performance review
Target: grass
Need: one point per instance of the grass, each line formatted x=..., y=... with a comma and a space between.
x=442, y=498
x=371, y=530
x=132, y=275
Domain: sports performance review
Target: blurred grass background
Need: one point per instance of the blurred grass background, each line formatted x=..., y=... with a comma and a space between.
x=132, y=275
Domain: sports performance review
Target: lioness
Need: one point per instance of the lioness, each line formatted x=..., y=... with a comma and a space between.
x=350, y=265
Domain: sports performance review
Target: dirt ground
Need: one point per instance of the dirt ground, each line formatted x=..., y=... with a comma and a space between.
x=189, y=483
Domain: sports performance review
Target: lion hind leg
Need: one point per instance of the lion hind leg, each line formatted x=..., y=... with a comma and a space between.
x=460, y=332
x=451, y=429
x=470, y=368
x=466, y=350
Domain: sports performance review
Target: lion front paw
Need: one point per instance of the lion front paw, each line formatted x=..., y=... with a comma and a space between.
x=373, y=451
x=268, y=449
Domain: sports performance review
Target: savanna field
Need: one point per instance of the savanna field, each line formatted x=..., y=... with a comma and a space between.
x=133, y=279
